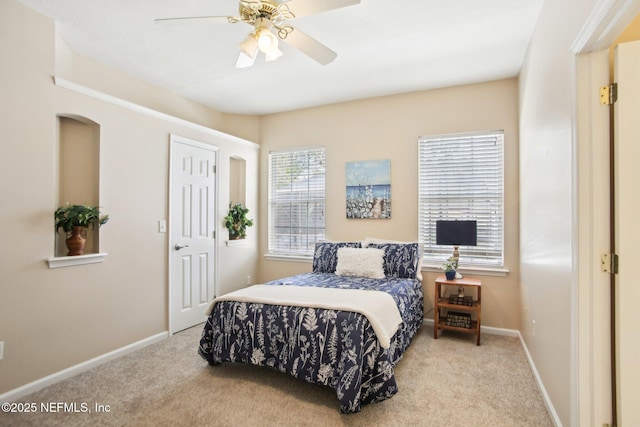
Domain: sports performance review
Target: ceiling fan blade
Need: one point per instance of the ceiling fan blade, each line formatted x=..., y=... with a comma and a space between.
x=310, y=47
x=231, y=19
x=302, y=8
x=245, y=61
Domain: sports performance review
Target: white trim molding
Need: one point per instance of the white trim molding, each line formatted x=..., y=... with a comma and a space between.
x=516, y=334
x=68, y=261
x=32, y=387
x=487, y=330
x=293, y=258
x=66, y=84
x=474, y=271
x=606, y=22
x=545, y=396
x=237, y=242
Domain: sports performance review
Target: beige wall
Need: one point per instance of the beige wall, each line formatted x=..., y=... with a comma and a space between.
x=85, y=71
x=51, y=319
x=388, y=128
x=549, y=214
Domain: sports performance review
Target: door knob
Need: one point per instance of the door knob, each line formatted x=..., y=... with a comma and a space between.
x=178, y=247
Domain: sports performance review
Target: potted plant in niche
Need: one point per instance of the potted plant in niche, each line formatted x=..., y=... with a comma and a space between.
x=237, y=221
x=449, y=268
x=74, y=220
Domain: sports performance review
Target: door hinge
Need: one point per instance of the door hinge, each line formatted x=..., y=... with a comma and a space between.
x=214, y=168
x=214, y=234
x=609, y=94
x=609, y=263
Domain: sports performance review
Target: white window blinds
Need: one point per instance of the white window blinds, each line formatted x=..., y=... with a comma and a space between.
x=461, y=178
x=296, y=201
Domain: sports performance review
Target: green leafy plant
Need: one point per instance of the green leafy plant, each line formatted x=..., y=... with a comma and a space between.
x=237, y=221
x=450, y=264
x=69, y=216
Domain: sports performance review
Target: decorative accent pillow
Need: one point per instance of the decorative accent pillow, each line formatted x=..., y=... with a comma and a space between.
x=325, y=257
x=360, y=262
x=400, y=259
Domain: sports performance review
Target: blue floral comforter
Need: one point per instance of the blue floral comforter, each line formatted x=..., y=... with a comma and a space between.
x=331, y=347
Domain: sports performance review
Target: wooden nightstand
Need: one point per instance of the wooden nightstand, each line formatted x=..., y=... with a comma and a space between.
x=444, y=308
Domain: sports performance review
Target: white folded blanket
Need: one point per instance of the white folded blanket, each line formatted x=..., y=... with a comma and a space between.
x=379, y=307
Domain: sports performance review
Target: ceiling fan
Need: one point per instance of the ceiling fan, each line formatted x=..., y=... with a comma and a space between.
x=269, y=19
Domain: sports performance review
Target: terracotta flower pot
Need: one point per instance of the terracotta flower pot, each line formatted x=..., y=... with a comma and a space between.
x=76, y=241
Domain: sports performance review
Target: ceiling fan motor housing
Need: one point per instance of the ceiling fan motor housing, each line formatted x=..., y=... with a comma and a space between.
x=256, y=12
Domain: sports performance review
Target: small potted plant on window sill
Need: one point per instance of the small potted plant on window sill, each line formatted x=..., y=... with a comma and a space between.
x=237, y=221
x=75, y=220
x=449, y=268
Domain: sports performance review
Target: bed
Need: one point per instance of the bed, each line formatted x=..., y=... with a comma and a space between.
x=333, y=326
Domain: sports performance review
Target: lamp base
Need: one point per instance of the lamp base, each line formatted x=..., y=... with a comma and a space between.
x=456, y=255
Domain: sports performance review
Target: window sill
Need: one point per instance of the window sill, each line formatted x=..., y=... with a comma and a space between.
x=68, y=261
x=291, y=258
x=480, y=271
x=476, y=271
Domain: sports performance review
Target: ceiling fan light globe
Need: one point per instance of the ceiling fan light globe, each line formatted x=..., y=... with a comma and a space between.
x=273, y=54
x=267, y=41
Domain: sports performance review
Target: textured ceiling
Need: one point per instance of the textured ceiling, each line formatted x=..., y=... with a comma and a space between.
x=384, y=47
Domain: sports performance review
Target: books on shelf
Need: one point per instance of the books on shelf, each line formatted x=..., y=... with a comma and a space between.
x=460, y=320
x=465, y=300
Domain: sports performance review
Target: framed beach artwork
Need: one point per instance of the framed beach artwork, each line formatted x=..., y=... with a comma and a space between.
x=369, y=189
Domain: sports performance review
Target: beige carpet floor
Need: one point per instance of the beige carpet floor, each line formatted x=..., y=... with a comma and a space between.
x=445, y=382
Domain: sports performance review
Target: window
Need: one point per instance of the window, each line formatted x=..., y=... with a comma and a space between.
x=461, y=178
x=296, y=201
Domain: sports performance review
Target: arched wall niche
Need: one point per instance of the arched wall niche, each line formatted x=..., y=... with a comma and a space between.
x=237, y=180
x=78, y=167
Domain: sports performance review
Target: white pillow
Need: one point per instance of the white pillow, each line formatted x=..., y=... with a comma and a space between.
x=361, y=262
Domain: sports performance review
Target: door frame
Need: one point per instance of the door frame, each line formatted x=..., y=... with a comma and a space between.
x=592, y=294
x=173, y=140
x=592, y=386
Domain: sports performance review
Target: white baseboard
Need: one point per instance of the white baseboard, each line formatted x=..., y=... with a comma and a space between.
x=489, y=330
x=41, y=383
x=515, y=333
x=34, y=386
x=543, y=390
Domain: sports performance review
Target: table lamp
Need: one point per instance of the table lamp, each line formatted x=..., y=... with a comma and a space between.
x=456, y=233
